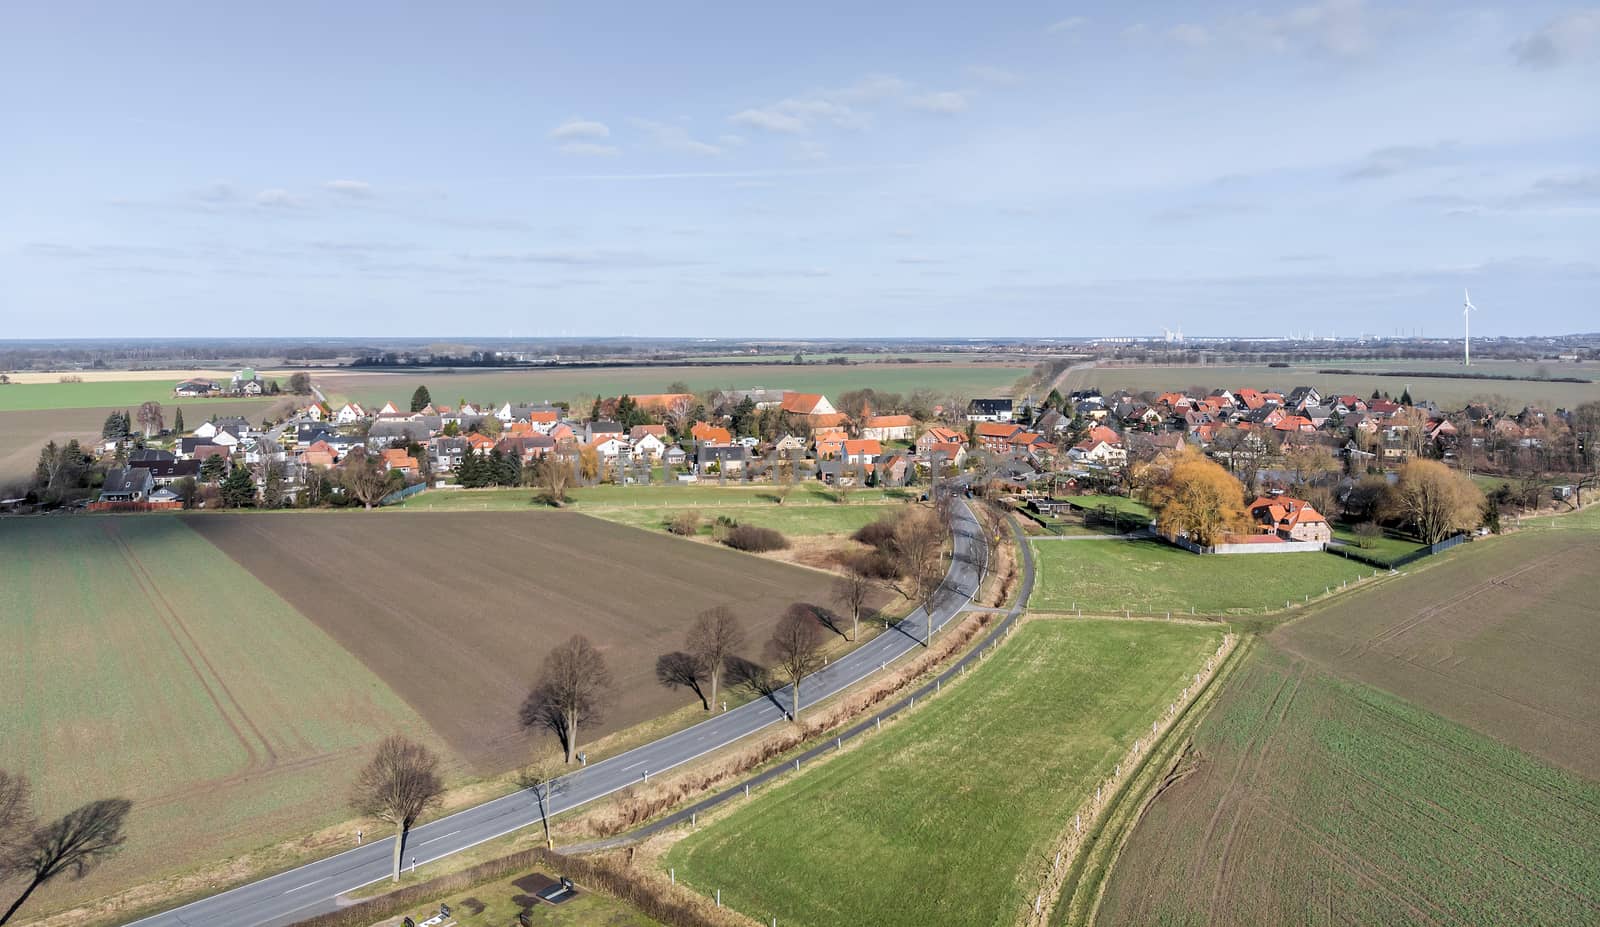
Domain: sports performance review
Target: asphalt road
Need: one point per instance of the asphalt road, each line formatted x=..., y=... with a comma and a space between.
x=314, y=888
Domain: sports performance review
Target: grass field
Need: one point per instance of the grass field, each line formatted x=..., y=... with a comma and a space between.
x=692, y=495
x=1150, y=576
x=457, y=610
x=581, y=386
x=943, y=817
x=1388, y=548
x=793, y=520
x=137, y=660
x=1448, y=392
x=1499, y=635
x=22, y=433
x=1116, y=504
x=497, y=904
x=1317, y=801
x=18, y=397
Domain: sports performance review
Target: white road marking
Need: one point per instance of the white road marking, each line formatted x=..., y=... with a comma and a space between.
x=440, y=837
x=298, y=887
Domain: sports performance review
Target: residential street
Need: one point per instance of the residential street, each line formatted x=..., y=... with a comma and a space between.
x=315, y=887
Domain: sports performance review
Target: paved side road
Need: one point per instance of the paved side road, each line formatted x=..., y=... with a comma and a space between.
x=315, y=887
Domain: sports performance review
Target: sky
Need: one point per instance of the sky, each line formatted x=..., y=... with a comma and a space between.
x=782, y=170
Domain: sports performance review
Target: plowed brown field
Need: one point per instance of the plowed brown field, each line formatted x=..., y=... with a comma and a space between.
x=455, y=611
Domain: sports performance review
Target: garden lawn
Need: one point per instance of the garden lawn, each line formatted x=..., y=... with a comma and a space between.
x=1153, y=577
x=1117, y=504
x=497, y=904
x=1388, y=548
x=944, y=817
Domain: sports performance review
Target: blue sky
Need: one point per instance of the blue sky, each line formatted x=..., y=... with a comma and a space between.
x=797, y=169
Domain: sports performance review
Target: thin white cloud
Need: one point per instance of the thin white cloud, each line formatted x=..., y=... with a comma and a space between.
x=277, y=198
x=841, y=107
x=590, y=150
x=1567, y=38
x=354, y=189
x=580, y=129
x=1397, y=159
x=998, y=77
x=676, y=138
x=948, y=102
x=1190, y=35
x=1071, y=23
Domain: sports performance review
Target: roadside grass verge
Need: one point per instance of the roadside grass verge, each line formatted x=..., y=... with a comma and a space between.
x=967, y=791
x=1153, y=577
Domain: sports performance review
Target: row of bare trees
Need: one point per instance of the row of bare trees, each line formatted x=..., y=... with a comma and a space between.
x=34, y=852
x=574, y=685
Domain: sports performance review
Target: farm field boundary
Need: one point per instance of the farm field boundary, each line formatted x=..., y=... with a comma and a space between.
x=1313, y=800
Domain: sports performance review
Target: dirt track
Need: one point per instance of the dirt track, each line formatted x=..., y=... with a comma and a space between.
x=455, y=611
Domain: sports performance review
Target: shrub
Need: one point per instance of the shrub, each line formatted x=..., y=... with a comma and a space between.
x=755, y=539
x=685, y=524
x=878, y=564
x=879, y=534
x=1367, y=534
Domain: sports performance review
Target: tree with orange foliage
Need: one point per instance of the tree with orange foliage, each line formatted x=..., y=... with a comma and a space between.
x=1197, y=498
x=1435, y=500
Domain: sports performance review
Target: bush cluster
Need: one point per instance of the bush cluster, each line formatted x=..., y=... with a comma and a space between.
x=755, y=539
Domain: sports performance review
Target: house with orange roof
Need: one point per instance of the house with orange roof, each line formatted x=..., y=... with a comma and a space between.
x=827, y=421
x=857, y=451
x=1294, y=424
x=350, y=413
x=806, y=404
x=707, y=433
x=318, y=454
x=661, y=402
x=480, y=444
x=389, y=408
x=995, y=436
x=953, y=453
x=888, y=427
x=1102, y=446
x=1290, y=519
x=939, y=434
x=399, y=459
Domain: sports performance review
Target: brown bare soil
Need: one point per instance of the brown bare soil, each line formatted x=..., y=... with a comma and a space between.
x=455, y=611
x=1501, y=635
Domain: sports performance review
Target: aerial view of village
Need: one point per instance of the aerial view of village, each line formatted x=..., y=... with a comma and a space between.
x=709, y=503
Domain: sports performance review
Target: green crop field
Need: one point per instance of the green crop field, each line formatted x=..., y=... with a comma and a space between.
x=581, y=386
x=1450, y=392
x=137, y=660
x=1152, y=577
x=1312, y=800
x=945, y=817
x=790, y=519
x=18, y=397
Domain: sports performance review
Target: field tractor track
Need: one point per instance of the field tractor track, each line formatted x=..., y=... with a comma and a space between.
x=1360, y=648
x=1225, y=869
x=185, y=642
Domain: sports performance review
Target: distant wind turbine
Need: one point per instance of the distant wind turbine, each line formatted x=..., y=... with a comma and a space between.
x=1466, y=318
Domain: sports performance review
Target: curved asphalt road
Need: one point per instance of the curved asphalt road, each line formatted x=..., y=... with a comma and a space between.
x=314, y=888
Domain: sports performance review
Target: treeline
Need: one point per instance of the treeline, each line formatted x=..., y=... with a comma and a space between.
x=1450, y=375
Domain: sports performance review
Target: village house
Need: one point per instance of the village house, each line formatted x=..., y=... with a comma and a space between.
x=199, y=386
x=989, y=410
x=349, y=414
x=707, y=433
x=888, y=427
x=995, y=436
x=807, y=404
x=126, y=484
x=1290, y=519
x=1102, y=446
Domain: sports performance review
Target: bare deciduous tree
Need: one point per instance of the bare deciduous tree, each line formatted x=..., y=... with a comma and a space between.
x=851, y=591
x=151, y=420
x=796, y=647
x=1434, y=499
x=679, y=670
x=16, y=819
x=363, y=477
x=919, y=550
x=540, y=778
x=398, y=785
x=713, y=639
x=555, y=476
x=573, y=687
x=74, y=843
